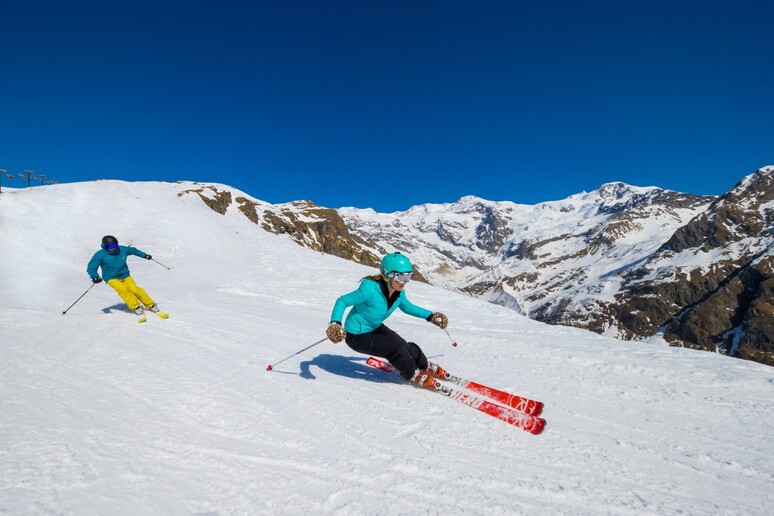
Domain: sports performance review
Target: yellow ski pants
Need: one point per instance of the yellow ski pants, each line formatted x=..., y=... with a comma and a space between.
x=131, y=294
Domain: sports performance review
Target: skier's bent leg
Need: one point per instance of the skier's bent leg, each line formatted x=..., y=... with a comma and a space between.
x=124, y=293
x=139, y=292
x=418, y=358
x=418, y=355
x=385, y=343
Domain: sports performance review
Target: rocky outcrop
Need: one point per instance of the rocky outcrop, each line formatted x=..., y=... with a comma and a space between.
x=709, y=286
x=218, y=201
x=757, y=335
x=309, y=225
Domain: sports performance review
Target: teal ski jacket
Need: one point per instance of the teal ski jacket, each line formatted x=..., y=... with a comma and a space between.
x=371, y=306
x=113, y=264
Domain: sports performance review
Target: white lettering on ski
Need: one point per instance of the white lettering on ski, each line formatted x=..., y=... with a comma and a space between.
x=467, y=399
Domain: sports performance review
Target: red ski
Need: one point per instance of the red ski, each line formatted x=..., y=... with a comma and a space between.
x=514, y=401
x=531, y=424
x=527, y=422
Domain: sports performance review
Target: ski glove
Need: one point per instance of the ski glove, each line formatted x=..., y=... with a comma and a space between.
x=335, y=333
x=439, y=320
x=148, y=257
x=96, y=280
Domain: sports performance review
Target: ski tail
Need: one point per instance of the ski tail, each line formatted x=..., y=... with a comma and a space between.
x=378, y=363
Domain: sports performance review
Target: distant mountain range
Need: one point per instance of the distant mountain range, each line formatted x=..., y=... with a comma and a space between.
x=625, y=261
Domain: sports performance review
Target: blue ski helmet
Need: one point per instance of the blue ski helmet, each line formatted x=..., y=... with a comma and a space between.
x=396, y=262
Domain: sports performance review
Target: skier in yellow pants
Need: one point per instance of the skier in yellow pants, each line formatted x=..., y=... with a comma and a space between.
x=112, y=260
x=132, y=295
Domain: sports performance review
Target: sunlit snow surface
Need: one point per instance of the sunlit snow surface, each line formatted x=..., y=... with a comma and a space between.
x=101, y=415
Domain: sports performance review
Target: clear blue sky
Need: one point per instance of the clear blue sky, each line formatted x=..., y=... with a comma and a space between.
x=388, y=104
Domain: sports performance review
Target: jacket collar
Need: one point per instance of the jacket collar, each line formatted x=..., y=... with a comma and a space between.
x=386, y=293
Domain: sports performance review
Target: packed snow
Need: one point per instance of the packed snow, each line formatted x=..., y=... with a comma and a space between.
x=102, y=415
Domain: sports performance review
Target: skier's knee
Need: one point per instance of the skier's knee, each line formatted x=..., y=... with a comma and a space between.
x=418, y=355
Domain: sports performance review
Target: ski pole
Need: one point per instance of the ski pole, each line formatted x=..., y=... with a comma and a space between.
x=454, y=342
x=270, y=366
x=155, y=260
x=87, y=291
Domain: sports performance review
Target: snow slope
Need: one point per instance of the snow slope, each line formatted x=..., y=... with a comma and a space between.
x=103, y=415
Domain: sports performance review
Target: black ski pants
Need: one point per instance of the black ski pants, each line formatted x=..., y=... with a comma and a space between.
x=407, y=357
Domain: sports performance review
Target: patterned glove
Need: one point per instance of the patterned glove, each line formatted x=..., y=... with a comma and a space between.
x=335, y=333
x=439, y=320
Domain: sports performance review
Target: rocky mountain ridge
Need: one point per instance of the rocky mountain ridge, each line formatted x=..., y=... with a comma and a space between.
x=304, y=222
x=711, y=285
x=626, y=261
x=307, y=224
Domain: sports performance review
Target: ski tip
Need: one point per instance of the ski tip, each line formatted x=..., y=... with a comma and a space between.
x=538, y=426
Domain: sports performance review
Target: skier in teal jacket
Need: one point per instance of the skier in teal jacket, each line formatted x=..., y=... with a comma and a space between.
x=111, y=259
x=376, y=299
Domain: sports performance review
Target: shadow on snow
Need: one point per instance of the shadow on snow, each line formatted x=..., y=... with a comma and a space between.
x=120, y=307
x=349, y=367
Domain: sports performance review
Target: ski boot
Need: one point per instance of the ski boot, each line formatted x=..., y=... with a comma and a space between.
x=155, y=309
x=425, y=380
x=439, y=372
x=140, y=314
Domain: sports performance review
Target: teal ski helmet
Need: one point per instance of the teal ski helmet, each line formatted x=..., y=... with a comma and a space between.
x=396, y=262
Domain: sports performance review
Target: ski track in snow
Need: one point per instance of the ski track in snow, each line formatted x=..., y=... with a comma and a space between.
x=178, y=416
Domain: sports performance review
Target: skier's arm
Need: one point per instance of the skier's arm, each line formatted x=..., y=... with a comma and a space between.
x=91, y=268
x=136, y=252
x=410, y=308
x=353, y=298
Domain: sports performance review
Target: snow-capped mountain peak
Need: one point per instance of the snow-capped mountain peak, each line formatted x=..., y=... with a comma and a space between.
x=585, y=260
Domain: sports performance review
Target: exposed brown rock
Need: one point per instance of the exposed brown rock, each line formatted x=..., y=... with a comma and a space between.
x=726, y=306
x=219, y=204
x=307, y=224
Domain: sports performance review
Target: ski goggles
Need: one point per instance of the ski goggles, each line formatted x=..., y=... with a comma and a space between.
x=401, y=277
x=111, y=247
